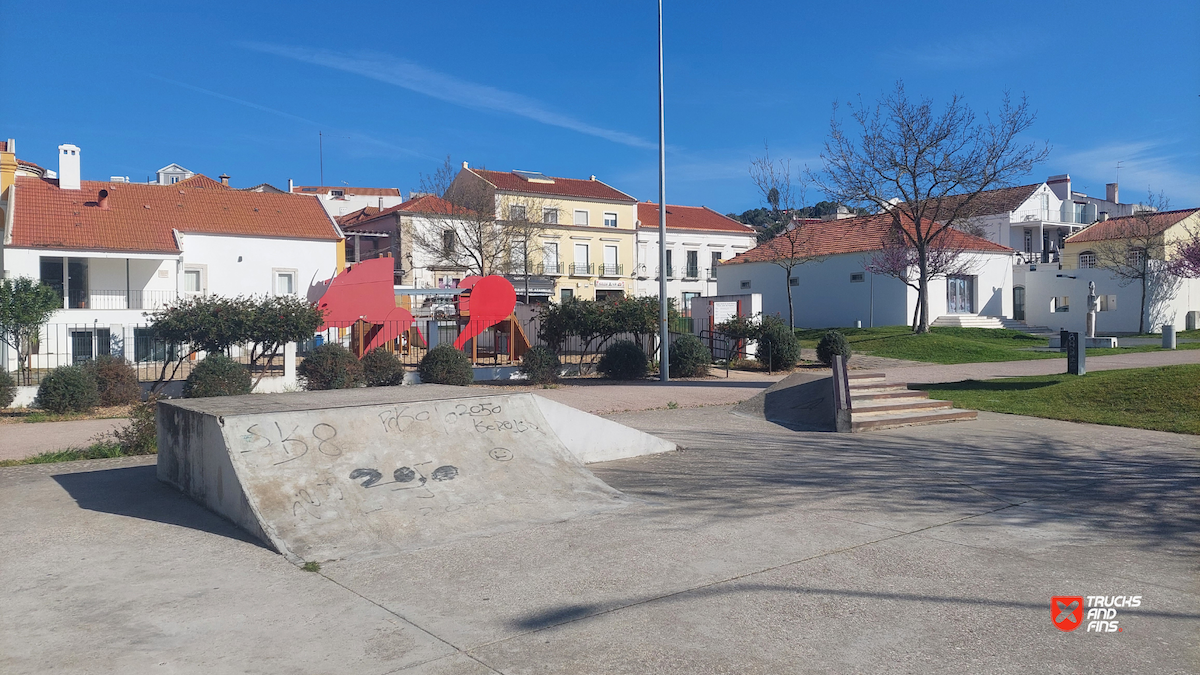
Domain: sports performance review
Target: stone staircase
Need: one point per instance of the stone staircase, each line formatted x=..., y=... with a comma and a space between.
x=874, y=404
x=978, y=321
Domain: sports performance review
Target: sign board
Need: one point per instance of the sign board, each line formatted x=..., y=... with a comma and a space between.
x=724, y=311
x=1076, y=354
x=610, y=284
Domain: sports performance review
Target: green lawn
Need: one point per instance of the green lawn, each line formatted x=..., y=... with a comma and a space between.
x=955, y=345
x=1163, y=399
x=101, y=450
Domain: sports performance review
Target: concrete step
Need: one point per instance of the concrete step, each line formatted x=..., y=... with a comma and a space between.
x=886, y=396
x=880, y=388
x=911, y=419
x=856, y=378
x=873, y=409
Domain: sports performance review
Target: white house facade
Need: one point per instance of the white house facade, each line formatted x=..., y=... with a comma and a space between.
x=115, y=251
x=836, y=290
x=698, y=241
x=342, y=200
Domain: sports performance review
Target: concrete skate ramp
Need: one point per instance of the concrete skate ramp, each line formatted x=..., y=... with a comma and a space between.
x=357, y=473
x=801, y=401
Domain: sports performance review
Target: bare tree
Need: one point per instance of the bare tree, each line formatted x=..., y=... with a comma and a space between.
x=927, y=169
x=784, y=193
x=1185, y=258
x=473, y=229
x=898, y=259
x=1135, y=252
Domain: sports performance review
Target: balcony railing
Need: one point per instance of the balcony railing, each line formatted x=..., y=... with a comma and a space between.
x=691, y=273
x=670, y=271
x=120, y=299
x=608, y=270
x=552, y=268
x=710, y=274
x=582, y=269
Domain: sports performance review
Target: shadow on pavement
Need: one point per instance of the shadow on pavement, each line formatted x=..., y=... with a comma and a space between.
x=135, y=492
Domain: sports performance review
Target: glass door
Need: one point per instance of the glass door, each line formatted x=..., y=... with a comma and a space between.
x=1019, y=303
x=960, y=293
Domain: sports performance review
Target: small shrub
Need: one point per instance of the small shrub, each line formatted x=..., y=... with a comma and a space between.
x=623, y=360
x=778, y=344
x=217, y=375
x=331, y=366
x=8, y=389
x=68, y=389
x=689, y=357
x=139, y=436
x=446, y=365
x=541, y=365
x=381, y=368
x=833, y=343
x=116, y=380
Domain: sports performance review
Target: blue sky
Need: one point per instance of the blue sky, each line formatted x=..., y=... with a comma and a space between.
x=570, y=89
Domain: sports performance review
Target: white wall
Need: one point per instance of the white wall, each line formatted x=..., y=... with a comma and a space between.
x=1170, y=304
x=827, y=297
x=340, y=206
x=244, y=265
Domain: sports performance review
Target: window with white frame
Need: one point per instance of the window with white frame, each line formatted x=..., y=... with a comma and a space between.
x=516, y=212
x=610, y=220
x=337, y=194
x=285, y=282
x=193, y=279
x=1136, y=258
x=550, y=258
x=550, y=216
x=1087, y=260
x=581, y=217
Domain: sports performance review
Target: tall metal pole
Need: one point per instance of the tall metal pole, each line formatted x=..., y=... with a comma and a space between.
x=664, y=336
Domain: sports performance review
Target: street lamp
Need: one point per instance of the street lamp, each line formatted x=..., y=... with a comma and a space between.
x=664, y=335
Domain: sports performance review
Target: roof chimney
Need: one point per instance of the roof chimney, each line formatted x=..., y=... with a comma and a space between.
x=465, y=165
x=1103, y=216
x=102, y=201
x=291, y=187
x=68, y=167
x=593, y=176
x=1110, y=193
x=224, y=179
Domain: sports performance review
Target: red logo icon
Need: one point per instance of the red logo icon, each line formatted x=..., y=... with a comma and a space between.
x=1066, y=611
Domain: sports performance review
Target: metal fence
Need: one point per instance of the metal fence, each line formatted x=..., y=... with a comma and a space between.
x=60, y=344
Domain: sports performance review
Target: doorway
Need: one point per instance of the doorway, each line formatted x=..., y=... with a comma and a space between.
x=960, y=295
x=1019, y=303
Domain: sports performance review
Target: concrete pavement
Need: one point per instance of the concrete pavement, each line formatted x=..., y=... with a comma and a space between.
x=931, y=372
x=19, y=440
x=755, y=550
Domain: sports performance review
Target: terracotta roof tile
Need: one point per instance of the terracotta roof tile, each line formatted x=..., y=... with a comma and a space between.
x=1112, y=228
x=357, y=191
x=690, y=218
x=423, y=204
x=141, y=217
x=365, y=213
x=562, y=187
x=994, y=202
x=854, y=235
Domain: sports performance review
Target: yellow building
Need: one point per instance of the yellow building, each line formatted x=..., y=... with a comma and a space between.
x=1153, y=236
x=583, y=232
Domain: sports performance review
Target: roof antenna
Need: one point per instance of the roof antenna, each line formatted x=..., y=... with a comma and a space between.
x=1119, y=163
x=321, y=147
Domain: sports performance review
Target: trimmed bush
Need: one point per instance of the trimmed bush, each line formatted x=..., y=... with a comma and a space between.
x=446, y=365
x=217, y=375
x=623, y=360
x=116, y=380
x=833, y=343
x=381, y=368
x=331, y=366
x=778, y=344
x=67, y=389
x=689, y=357
x=8, y=389
x=541, y=365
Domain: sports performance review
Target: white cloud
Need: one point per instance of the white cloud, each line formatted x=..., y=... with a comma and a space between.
x=1145, y=166
x=964, y=52
x=441, y=86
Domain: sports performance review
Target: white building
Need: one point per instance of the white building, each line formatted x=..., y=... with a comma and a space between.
x=698, y=240
x=343, y=200
x=371, y=234
x=1035, y=220
x=837, y=290
x=115, y=250
x=172, y=174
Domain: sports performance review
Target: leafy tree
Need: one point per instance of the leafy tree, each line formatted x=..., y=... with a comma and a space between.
x=595, y=323
x=1186, y=261
x=25, y=306
x=928, y=170
x=275, y=321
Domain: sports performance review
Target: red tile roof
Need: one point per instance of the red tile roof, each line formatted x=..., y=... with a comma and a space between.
x=348, y=191
x=690, y=218
x=561, y=187
x=423, y=204
x=140, y=217
x=992, y=202
x=365, y=213
x=1117, y=228
x=853, y=235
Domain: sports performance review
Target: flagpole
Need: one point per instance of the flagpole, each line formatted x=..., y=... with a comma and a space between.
x=664, y=335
